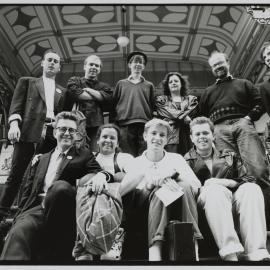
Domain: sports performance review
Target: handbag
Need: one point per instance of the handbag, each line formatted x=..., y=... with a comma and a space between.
x=98, y=218
x=179, y=241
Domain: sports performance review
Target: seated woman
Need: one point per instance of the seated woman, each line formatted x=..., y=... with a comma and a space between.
x=115, y=162
x=175, y=107
x=154, y=168
x=228, y=193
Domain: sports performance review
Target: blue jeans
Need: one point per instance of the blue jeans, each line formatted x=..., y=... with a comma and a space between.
x=241, y=136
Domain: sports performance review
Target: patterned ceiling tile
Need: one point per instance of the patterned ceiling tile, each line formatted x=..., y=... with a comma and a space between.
x=32, y=52
x=86, y=15
x=225, y=17
x=204, y=45
x=23, y=19
x=22, y=22
x=161, y=14
x=158, y=43
x=85, y=44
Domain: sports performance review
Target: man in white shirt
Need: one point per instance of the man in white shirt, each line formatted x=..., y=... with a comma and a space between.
x=34, y=105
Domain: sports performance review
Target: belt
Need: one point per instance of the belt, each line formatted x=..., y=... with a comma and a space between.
x=49, y=122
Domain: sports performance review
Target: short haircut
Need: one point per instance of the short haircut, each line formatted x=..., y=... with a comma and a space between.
x=50, y=51
x=220, y=53
x=109, y=126
x=93, y=55
x=165, y=82
x=264, y=46
x=201, y=120
x=67, y=116
x=157, y=122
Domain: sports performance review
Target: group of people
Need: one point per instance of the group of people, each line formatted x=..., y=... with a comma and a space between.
x=208, y=148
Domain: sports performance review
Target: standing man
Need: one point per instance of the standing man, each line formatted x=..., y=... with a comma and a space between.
x=265, y=86
x=91, y=96
x=47, y=217
x=233, y=104
x=134, y=105
x=34, y=105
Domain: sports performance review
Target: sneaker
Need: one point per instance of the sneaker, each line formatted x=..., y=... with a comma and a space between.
x=116, y=249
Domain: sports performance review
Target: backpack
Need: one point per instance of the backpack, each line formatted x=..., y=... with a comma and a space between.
x=98, y=218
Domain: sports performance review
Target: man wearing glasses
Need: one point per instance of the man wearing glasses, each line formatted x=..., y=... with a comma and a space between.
x=34, y=105
x=91, y=97
x=46, y=221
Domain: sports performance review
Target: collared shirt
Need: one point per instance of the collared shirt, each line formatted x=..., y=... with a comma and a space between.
x=49, y=89
x=228, y=78
x=56, y=158
x=131, y=79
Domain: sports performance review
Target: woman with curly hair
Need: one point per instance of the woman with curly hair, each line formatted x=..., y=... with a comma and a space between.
x=175, y=107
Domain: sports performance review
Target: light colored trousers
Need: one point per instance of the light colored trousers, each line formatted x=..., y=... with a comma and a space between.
x=246, y=207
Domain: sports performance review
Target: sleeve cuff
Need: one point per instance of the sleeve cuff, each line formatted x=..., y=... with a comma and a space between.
x=14, y=116
x=109, y=177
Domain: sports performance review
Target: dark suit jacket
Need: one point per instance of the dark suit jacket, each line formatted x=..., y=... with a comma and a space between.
x=76, y=164
x=29, y=102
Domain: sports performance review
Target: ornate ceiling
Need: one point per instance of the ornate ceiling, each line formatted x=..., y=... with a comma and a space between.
x=174, y=37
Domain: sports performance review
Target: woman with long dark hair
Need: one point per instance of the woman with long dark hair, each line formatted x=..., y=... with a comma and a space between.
x=175, y=107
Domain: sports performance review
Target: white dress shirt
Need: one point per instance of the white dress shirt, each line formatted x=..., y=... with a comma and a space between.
x=49, y=89
x=54, y=163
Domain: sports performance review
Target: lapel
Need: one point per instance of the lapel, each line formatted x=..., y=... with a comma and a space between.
x=57, y=96
x=68, y=157
x=40, y=86
x=42, y=170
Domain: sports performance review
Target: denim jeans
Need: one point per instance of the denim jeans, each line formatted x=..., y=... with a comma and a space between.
x=241, y=136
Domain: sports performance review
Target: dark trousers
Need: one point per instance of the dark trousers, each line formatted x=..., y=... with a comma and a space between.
x=132, y=141
x=92, y=136
x=22, y=155
x=50, y=230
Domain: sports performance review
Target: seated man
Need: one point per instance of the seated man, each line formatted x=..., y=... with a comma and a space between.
x=228, y=192
x=47, y=218
x=153, y=169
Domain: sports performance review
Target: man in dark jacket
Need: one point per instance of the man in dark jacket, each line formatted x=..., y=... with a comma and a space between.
x=91, y=96
x=47, y=217
x=228, y=191
x=34, y=104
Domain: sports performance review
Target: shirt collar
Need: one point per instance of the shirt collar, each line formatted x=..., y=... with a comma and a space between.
x=58, y=152
x=131, y=78
x=228, y=78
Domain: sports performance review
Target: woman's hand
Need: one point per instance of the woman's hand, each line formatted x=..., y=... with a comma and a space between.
x=98, y=183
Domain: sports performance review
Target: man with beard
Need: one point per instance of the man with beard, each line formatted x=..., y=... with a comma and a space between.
x=134, y=105
x=233, y=104
x=34, y=104
x=91, y=96
x=265, y=86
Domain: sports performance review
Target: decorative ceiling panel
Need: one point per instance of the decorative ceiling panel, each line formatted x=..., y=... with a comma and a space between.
x=186, y=34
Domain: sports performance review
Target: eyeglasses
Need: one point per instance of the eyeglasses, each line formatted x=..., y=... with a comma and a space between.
x=64, y=130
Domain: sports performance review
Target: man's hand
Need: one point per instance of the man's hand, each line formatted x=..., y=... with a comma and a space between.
x=14, y=132
x=155, y=178
x=97, y=183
